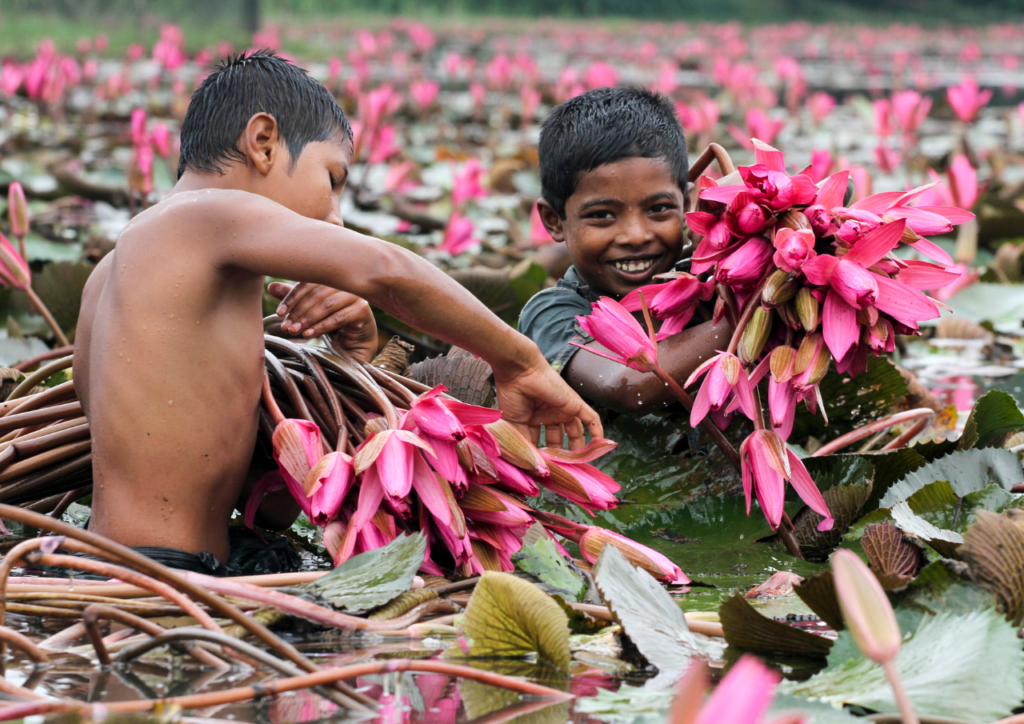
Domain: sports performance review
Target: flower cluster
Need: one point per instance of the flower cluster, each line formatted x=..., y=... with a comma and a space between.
x=457, y=472
x=807, y=282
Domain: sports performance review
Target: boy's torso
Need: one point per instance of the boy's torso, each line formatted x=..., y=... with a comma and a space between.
x=169, y=364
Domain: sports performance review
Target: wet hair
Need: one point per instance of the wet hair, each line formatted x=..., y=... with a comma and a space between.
x=243, y=86
x=603, y=126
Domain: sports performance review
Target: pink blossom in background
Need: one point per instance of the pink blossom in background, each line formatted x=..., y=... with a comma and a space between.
x=820, y=105
x=424, y=92
x=967, y=99
x=910, y=109
x=468, y=183
x=458, y=235
x=538, y=233
x=883, y=117
x=600, y=75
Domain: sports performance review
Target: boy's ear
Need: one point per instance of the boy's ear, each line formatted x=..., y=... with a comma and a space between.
x=688, y=197
x=261, y=142
x=551, y=220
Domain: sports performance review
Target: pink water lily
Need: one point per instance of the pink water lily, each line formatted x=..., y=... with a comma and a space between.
x=326, y=486
x=910, y=109
x=468, y=183
x=745, y=266
x=424, y=92
x=458, y=235
x=17, y=209
x=967, y=99
x=793, y=248
x=614, y=328
x=726, y=380
x=742, y=697
x=595, y=539
x=767, y=465
x=389, y=456
x=571, y=475
x=674, y=302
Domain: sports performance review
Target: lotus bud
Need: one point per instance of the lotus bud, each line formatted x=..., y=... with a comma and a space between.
x=813, y=358
x=788, y=316
x=781, y=362
x=516, y=449
x=755, y=334
x=909, y=235
x=17, y=208
x=866, y=609
x=794, y=220
x=867, y=317
x=13, y=269
x=780, y=288
x=808, y=309
x=375, y=425
x=594, y=539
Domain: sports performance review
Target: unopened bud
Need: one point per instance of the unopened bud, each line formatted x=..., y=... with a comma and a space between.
x=516, y=449
x=909, y=235
x=17, y=208
x=780, y=288
x=807, y=308
x=788, y=316
x=13, y=269
x=794, y=220
x=375, y=425
x=755, y=334
x=867, y=317
x=813, y=359
x=781, y=362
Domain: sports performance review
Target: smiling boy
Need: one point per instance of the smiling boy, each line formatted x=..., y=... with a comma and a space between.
x=169, y=350
x=613, y=170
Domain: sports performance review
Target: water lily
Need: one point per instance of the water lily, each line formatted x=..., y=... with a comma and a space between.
x=967, y=99
x=674, y=301
x=595, y=539
x=793, y=248
x=767, y=465
x=614, y=328
x=726, y=380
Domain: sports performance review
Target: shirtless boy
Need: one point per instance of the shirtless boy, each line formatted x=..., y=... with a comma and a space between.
x=169, y=349
x=613, y=171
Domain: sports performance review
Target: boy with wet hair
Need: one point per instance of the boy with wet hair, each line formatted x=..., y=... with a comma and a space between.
x=169, y=348
x=613, y=170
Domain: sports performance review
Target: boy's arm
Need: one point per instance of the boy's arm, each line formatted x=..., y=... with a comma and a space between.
x=609, y=384
x=263, y=237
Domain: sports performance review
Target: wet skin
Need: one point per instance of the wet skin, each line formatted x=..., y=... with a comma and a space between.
x=624, y=225
x=169, y=347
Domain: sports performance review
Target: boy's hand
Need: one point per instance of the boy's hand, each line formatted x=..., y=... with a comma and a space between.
x=311, y=310
x=539, y=396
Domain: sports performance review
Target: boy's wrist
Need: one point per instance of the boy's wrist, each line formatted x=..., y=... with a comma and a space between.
x=521, y=355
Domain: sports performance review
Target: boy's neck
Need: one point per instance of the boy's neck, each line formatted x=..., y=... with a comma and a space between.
x=193, y=180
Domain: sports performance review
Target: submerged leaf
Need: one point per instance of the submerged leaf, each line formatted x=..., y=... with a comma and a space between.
x=747, y=629
x=508, y=616
x=375, y=577
x=650, y=617
x=968, y=666
x=993, y=418
x=994, y=552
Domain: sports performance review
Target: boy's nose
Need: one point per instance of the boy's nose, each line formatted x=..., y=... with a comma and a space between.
x=635, y=233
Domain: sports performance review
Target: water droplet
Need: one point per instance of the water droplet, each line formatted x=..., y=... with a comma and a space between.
x=170, y=402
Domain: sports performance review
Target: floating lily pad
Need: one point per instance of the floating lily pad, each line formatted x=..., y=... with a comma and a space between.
x=967, y=666
x=373, y=578
x=994, y=552
x=993, y=418
x=746, y=629
x=965, y=470
x=546, y=565
x=894, y=560
x=650, y=617
x=511, y=617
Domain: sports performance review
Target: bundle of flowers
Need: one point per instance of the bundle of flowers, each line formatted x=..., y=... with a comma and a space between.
x=369, y=455
x=806, y=283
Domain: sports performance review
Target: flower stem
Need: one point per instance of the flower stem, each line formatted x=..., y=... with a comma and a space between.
x=269, y=401
x=906, y=711
x=871, y=428
x=729, y=300
x=709, y=426
x=62, y=341
x=748, y=310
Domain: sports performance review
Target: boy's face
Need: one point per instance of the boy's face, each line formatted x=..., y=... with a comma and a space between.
x=313, y=188
x=623, y=224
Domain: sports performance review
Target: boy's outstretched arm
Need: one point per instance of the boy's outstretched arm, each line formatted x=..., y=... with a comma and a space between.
x=263, y=237
x=609, y=384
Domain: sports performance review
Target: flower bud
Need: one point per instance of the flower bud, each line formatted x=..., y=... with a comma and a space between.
x=516, y=449
x=794, y=220
x=909, y=235
x=788, y=316
x=780, y=288
x=866, y=608
x=781, y=362
x=375, y=425
x=812, y=360
x=17, y=208
x=807, y=309
x=755, y=334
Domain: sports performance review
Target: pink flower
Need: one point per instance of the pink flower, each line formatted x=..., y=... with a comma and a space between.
x=744, y=267
x=326, y=487
x=17, y=209
x=964, y=277
x=967, y=99
x=162, y=139
x=600, y=75
x=595, y=539
x=298, y=447
x=883, y=115
x=793, y=248
x=538, y=232
x=458, y=235
x=699, y=118
x=726, y=380
x=820, y=105
x=767, y=465
x=674, y=301
x=745, y=216
x=424, y=92
x=444, y=417
x=821, y=164
x=572, y=477
x=742, y=697
x=139, y=127
x=377, y=105
x=910, y=109
x=467, y=184
x=614, y=328
x=384, y=144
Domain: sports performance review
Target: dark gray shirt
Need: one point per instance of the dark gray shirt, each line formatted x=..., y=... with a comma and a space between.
x=549, y=318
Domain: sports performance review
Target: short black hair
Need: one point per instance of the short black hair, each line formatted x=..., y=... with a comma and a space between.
x=247, y=84
x=603, y=126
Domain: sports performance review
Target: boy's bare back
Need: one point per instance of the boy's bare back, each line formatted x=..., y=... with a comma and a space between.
x=169, y=362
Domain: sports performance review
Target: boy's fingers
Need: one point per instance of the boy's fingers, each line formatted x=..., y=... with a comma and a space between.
x=294, y=294
x=553, y=435
x=279, y=290
x=592, y=420
x=334, y=322
x=312, y=307
x=531, y=431
x=574, y=431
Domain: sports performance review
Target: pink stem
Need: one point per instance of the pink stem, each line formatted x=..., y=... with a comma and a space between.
x=871, y=428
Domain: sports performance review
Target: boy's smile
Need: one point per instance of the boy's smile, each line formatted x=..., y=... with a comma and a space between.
x=623, y=225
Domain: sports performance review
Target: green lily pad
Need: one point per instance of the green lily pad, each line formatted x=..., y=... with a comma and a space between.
x=965, y=470
x=993, y=418
x=546, y=565
x=967, y=666
x=650, y=617
x=373, y=578
x=941, y=586
x=511, y=617
x=987, y=302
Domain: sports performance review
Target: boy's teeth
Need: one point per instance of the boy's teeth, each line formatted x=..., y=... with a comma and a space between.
x=633, y=266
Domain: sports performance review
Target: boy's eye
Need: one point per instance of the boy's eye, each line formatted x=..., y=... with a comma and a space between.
x=599, y=214
x=662, y=208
